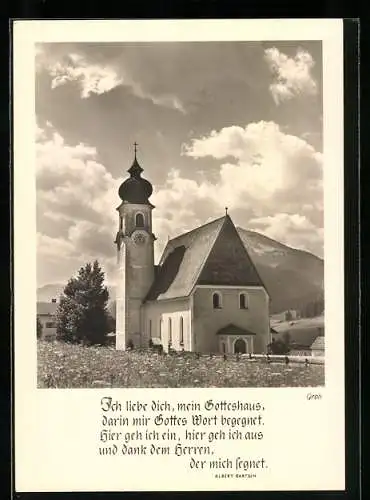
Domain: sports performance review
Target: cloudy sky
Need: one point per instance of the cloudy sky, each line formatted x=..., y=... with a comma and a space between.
x=218, y=124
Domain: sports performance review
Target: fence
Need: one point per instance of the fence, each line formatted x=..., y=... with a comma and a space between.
x=267, y=358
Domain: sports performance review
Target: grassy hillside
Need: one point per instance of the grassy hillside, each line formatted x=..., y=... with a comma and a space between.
x=69, y=366
x=302, y=331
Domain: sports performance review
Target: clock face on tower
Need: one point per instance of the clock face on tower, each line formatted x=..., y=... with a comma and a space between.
x=139, y=239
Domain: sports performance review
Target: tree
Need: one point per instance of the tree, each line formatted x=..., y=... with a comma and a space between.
x=286, y=338
x=278, y=347
x=82, y=311
x=38, y=328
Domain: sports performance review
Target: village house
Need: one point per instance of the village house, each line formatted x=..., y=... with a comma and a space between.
x=205, y=294
x=46, y=314
x=318, y=346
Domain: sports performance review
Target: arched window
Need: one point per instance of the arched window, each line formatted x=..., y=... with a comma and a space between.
x=139, y=220
x=169, y=330
x=160, y=328
x=181, y=330
x=243, y=301
x=216, y=300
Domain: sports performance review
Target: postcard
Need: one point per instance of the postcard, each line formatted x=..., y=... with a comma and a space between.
x=178, y=255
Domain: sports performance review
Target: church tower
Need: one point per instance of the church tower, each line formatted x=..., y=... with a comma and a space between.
x=135, y=256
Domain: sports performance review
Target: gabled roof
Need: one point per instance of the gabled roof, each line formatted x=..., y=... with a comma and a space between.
x=46, y=308
x=318, y=343
x=228, y=262
x=232, y=329
x=212, y=254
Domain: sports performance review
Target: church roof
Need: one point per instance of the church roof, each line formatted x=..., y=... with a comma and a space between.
x=232, y=329
x=212, y=254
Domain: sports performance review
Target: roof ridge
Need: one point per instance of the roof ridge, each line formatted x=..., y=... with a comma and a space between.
x=251, y=260
x=197, y=228
x=209, y=251
x=200, y=240
x=182, y=235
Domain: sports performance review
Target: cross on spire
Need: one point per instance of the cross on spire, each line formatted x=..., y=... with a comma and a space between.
x=226, y=209
x=135, y=147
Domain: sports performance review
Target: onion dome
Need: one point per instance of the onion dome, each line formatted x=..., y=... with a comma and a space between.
x=135, y=189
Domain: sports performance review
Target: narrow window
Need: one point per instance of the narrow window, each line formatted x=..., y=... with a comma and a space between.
x=243, y=301
x=170, y=330
x=223, y=347
x=160, y=328
x=139, y=220
x=150, y=328
x=216, y=301
x=181, y=330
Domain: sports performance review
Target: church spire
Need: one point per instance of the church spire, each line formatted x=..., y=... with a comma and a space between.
x=135, y=189
x=135, y=169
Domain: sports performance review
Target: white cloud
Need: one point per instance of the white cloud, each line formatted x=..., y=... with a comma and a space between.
x=92, y=78
x=73, y=187
x=54, y=247
x=292, y=76
x=271, y=182
x=268, y=172
x=97, y=78
x=292, y=229
x=267, y=164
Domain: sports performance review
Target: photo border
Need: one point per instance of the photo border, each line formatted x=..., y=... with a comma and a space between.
x=352, y=381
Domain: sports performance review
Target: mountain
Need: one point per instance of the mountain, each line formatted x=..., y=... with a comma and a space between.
x=47, y=292
x=54, y=290
x=294, y=278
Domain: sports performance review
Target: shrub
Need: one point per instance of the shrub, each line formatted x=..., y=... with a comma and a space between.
x=38, y=328
x=278, y=347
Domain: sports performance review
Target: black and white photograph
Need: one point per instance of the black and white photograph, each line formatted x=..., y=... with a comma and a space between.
x=180, y=214
x=178, y=255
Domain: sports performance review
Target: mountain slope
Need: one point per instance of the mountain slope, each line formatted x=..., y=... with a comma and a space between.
x=292, y=277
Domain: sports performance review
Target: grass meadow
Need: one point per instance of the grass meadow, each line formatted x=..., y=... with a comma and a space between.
x=62, y=365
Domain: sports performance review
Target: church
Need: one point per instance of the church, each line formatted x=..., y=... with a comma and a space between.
x=205, y=294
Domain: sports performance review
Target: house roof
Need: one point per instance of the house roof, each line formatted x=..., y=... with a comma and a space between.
x=212, y=254
x=232, y=329
x=318, y=343
x=46, y=308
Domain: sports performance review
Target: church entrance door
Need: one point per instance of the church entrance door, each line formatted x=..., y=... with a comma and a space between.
x=240, y=347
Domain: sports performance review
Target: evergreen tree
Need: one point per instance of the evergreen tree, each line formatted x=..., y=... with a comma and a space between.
x=288, y=316
x=82, y=312
x=38, y=328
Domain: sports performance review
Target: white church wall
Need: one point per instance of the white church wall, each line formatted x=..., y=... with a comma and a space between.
x=167, y=311
x=207, y=320
x=121, y=300
x=135, y=274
